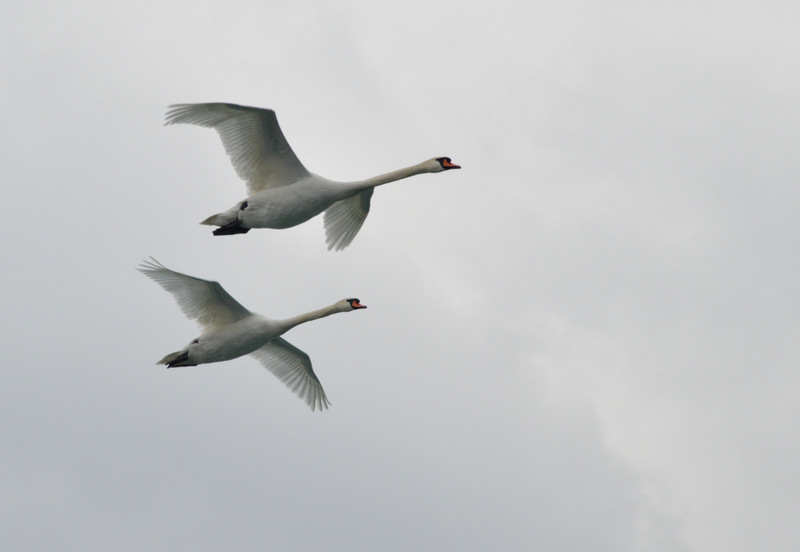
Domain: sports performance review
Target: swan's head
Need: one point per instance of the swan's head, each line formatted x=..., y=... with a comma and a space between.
x=352, y=304
x=439, y=164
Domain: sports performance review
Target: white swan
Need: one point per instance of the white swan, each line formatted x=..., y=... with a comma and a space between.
x=230, y=331
x=282, y=192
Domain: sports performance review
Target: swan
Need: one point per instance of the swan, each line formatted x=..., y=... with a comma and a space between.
x=282, y=193
x=231, y=331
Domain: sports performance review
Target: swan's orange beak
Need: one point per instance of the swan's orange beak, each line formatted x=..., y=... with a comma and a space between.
x=357, y=305
x=447, y=164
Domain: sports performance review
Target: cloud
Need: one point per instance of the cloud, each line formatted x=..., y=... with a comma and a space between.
x=583, y=339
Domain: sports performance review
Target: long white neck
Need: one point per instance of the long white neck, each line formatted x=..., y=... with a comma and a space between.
x=393, y=176
x=290, y=323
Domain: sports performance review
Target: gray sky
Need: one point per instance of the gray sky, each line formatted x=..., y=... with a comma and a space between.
x=584, y=340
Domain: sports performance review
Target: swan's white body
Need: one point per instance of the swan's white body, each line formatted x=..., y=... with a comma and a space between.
x=231, y=331
x=282, y=192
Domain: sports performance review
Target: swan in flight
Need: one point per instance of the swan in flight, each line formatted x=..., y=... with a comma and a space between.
x=231, y=331
x=282, y=193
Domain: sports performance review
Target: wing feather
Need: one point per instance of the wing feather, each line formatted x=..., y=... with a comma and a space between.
x=201, y=300
x=293, y=367
x=252, y=138
x=344, y=219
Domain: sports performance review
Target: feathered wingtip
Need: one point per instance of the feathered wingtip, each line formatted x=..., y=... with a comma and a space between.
x=149, y=265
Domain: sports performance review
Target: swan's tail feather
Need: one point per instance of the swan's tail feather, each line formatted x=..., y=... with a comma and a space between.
x=227, y=225
x=228, y=221
x=217, y=220
x=178, y=358
x=226, y=217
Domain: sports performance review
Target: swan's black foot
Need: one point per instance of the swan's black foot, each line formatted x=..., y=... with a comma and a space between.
x=230, y=229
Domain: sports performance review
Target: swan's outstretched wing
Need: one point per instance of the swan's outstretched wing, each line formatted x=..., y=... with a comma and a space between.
x=293, y=367
x=201, y=300
x=252, y=138
x=344, y=218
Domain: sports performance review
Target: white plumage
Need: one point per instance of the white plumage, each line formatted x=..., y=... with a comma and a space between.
x=282, y=193
x=230, y=331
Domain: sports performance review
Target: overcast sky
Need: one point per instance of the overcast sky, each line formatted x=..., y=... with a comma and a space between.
x=586, y=339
